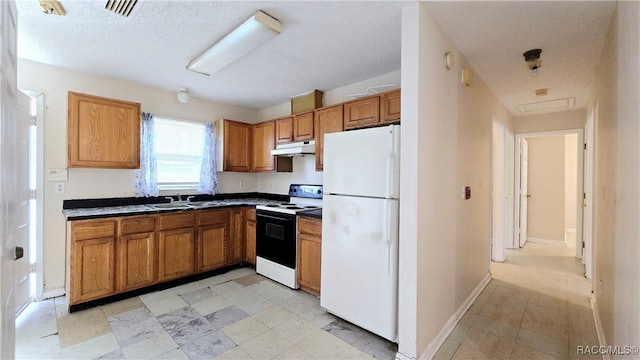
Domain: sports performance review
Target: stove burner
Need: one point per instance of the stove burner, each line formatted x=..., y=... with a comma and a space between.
x=310, y=207
x=288, y=204
x=273, y=205
x=293, y=207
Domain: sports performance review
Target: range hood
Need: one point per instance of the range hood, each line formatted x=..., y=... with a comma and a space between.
x=295, y=149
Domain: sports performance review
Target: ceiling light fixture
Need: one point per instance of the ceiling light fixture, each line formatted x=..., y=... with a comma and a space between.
x=258, y=29
x=532, y=57
x=183, y=95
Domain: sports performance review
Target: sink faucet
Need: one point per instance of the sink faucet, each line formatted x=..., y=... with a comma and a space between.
x=189, y=198
x=170, y=198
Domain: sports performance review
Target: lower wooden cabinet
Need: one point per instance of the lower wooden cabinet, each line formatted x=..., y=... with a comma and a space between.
x=309, y=254
x=250, y=236
x=176, y=255
x=137, y=255
x=213, y=234
x=92, y=262
x=236, y=240
x=114, y=255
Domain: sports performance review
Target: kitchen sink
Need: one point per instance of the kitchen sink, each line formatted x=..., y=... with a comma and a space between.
x=174, y=205
x=199, y=204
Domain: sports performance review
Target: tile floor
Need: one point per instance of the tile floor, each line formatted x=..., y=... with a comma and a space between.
x=535, y=307
x=236, y=315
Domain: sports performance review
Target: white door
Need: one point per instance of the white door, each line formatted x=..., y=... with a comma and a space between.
x=524, y=192
x=363, y=162
x=8, y=178
x=359, y=269
x=23, y=269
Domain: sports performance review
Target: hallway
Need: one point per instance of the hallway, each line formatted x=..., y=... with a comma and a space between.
x=535, y=307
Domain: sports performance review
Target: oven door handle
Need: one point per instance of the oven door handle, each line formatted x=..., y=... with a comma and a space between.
x=287, y=219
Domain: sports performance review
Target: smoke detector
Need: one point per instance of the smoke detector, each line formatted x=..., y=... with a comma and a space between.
x=532, y=57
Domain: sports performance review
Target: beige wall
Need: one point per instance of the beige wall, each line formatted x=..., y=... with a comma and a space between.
x=564, y=120
x=617, y=170
x=546, y=209
x=446, y=137
x=304, y=168
x=96, y=183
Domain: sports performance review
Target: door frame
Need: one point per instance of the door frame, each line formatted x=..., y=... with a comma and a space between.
x=38, y=96
x=589, y=176
x=580, y=180
x=499, y=199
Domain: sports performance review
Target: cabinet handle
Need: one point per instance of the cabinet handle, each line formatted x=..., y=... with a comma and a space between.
x=19, y=253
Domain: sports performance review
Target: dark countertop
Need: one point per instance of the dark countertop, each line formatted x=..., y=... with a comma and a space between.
x=317, y=214
x=102, y=208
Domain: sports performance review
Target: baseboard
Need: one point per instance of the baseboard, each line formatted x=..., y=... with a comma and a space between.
x=53, y=293
x=596, y=317
x=400, y=356
x=454, y=319
x=546, y=241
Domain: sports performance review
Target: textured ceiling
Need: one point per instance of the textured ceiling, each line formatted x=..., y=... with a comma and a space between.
x=494, y=35
x=323, y=45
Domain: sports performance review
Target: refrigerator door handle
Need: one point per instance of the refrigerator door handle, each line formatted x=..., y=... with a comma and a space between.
x=386, y=231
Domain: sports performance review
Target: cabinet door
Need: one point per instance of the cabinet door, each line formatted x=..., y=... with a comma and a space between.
x=250, y=237
x=212, y=246
x=236, y=232
x=103, y=133
x=137, y=260
x=303, y=127
x=92, y=259
x=362, y=113
x=309, y=259
x=284, y=130
x=237, y=146
x=327, y=120
x=176, y=255
x=390, y=106
x=92, y=269
x=263, y=142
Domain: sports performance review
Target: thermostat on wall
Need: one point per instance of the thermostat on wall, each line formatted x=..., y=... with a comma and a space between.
x=57, y=174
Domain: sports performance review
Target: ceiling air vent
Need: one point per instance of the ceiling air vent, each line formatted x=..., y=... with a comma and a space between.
x=121, y=7
x=551, y=105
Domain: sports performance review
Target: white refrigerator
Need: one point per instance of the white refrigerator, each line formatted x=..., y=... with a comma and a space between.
x=359, y=273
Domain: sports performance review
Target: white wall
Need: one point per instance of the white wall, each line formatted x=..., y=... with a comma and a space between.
x=546, y=209
x=97, y=183
x=446, y=144
x=564, y=120
x=304, y=168
x=617, y=170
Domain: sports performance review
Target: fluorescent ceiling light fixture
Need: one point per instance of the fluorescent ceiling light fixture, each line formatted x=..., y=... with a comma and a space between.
x=258, y=29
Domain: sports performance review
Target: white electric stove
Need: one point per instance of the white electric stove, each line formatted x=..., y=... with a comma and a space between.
x=276, y=229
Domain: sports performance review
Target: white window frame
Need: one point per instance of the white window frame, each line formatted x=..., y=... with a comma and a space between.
x=167, y=186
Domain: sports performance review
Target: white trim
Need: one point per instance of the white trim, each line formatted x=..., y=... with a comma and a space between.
x=448, y=327
x=596, y=318
x=400, y=356
x=547, y=241
x=53, y=293
x=570, y=230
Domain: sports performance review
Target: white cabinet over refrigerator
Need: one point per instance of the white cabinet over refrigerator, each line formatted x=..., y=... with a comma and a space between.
x=360, y=228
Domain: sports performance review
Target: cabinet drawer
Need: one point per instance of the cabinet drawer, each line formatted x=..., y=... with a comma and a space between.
x=137, y=225
x=93, y=229
x=251, y=215
x=310, y=226
x=177, y=221
x=209, y=217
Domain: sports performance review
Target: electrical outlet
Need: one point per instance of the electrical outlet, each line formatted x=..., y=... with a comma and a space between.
x=260, y=184
x=59, y=188
x=241, y=184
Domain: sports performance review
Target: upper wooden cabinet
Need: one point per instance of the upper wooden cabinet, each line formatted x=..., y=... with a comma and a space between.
x=303, y=126
x=284, y=130
x=264, y=135
x=264, y=140
x=390, y=106
x=327, y=120
x=103, y=133
x=372, y=111
x=362, y=113
x=233, y=146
